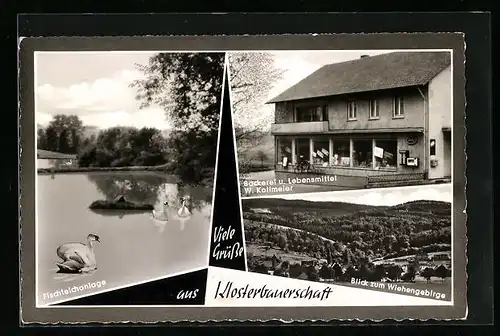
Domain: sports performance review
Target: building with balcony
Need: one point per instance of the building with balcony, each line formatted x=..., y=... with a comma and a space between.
x=376, y=116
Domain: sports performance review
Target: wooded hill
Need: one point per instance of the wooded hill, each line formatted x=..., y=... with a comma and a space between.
x=358, y=233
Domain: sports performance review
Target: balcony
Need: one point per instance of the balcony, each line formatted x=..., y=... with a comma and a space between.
x=300, y=127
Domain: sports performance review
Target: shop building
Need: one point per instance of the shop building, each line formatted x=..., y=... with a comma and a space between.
x=387, y=115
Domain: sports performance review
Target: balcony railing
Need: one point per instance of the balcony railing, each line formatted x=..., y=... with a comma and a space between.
x=300, y=127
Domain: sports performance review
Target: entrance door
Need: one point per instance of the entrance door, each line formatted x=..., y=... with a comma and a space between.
x=447, y=154
x=303, y=149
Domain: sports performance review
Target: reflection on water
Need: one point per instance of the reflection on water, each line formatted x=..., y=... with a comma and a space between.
x=153, y=188
x=134, y=246
x=117, y=213
x=69, y=277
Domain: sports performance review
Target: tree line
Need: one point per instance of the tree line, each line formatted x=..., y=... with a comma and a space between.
x=112, y=147
x=64, y=134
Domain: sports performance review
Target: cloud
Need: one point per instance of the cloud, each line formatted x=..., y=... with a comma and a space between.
x=103, y=94
x=43, y=118
x=296, y=69
x=104, y=102
x=149, y=117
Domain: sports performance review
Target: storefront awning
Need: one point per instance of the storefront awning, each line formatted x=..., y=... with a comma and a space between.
x=378, y=130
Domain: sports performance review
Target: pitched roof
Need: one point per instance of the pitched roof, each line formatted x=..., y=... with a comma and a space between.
x=386, y=71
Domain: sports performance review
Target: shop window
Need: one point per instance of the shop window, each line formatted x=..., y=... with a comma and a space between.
x=285, y=151
x=341, y=155
x=321, y=154
x=385, y=153
x=362, y=153
x=302, y=149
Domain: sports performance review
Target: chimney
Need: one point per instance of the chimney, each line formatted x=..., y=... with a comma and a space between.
x=364, y=56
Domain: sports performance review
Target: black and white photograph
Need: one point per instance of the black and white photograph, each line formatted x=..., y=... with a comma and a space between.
x=397, y=239
x=126, y=151
x=315, y=121
x=293, y=178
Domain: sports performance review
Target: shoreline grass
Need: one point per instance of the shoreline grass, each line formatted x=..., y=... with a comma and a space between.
x=55, y=170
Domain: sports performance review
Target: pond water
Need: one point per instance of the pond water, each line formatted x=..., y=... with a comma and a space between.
x=134, y=246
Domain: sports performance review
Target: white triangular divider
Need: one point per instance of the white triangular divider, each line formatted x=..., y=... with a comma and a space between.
x=226, y=287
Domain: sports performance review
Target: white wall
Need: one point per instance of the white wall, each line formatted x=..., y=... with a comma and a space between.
x=440, y=115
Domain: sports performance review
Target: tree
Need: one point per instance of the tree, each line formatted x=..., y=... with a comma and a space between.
x=52, y=139
x=283, y=270
x=312, y=274
x=75, y=141
x=326, y=272
x=350, y=272
x=260, y=268
x=88, y=156
x=41, y=139
x=337, y=271
x=188, y=86
x=347, y=257
x=329, y=257
x=410, y=274
x=251, y=76
x=441, y=272
x=427, y=273
x=262, y=156
x=295, y=270
x=125, y=146
x=282, y=241
x=69, y=130
x=394, y=272
x=63, y=145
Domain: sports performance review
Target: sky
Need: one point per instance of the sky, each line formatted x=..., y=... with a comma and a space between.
x=93, y=86
x=300, y=64
x=382, y=196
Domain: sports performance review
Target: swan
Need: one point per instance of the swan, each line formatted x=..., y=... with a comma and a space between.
x=78, y=257
x=163, y=214
x=183, y=211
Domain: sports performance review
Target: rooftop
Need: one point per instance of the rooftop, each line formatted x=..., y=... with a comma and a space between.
x=386, y=71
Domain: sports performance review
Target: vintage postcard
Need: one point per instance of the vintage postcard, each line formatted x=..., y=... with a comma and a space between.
x=221, y=178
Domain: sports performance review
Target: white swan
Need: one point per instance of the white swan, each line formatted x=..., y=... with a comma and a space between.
x=183, y=211
x=163, y=214
x=78, y=257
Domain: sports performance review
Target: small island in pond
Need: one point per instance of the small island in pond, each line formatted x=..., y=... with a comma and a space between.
x=119, y=203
